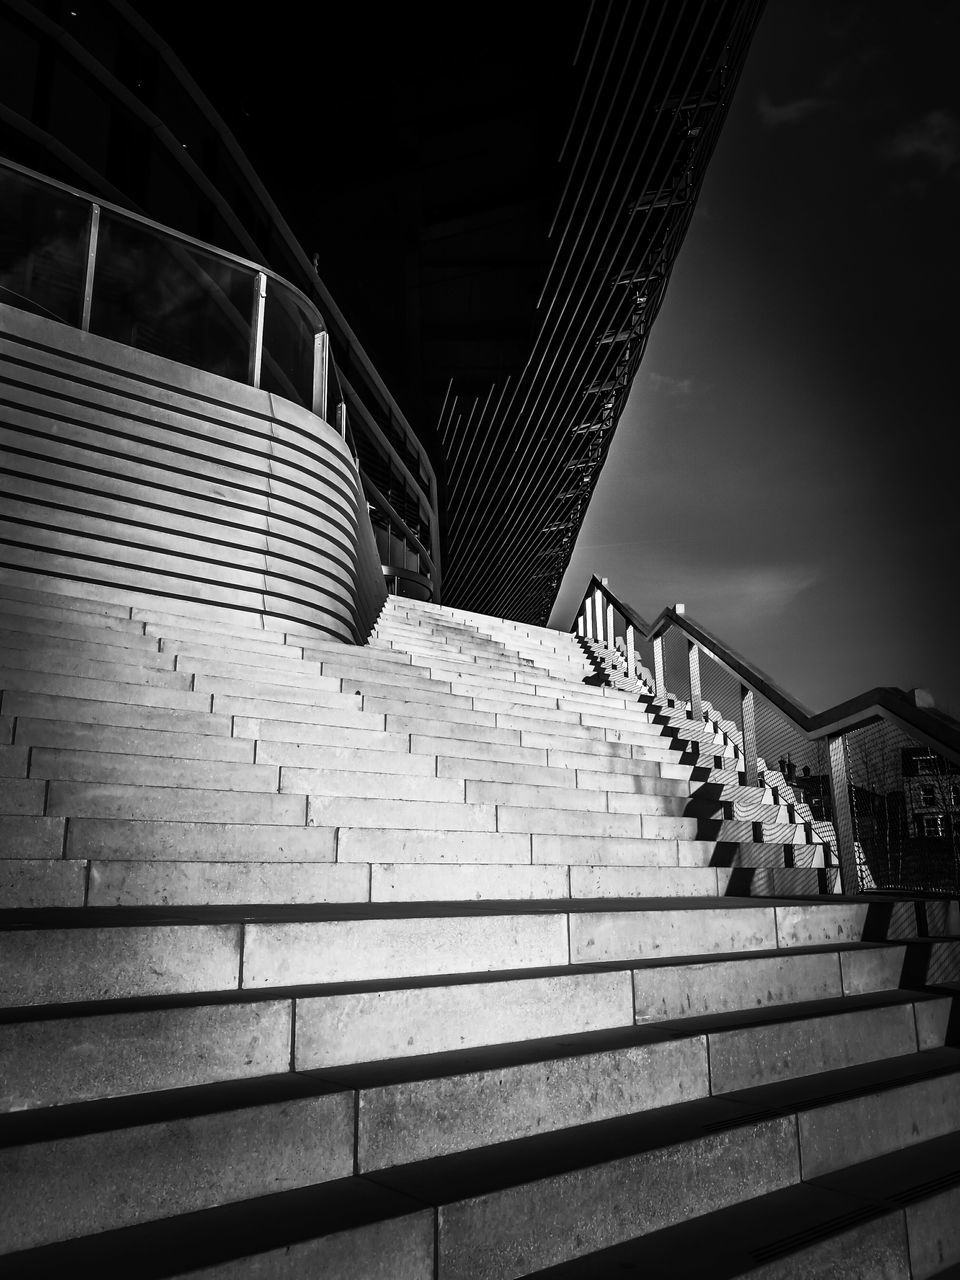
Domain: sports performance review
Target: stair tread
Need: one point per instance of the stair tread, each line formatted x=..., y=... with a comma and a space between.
x=808, y=1216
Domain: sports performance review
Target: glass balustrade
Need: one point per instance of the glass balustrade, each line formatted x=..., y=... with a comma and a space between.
x=43, y=248
x=123, y=277
x=172, y=299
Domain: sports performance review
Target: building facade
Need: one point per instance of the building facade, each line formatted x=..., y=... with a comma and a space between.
x=498, y=228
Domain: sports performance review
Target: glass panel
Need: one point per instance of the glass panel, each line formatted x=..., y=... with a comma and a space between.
x=43, y=248
x=288, y=334
x=172, y=299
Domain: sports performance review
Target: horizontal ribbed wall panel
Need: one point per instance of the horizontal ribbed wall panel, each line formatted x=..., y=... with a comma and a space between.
x=132, y=472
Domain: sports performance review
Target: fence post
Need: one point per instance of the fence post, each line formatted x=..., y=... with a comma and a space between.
x=842, y=816
x=321, y=358
x=90, y=267
x=631, y=652
x=588, y=618
x=659, y=681
x=598, y=611
x=749, y=722
x=693, y=662
x=256, y=329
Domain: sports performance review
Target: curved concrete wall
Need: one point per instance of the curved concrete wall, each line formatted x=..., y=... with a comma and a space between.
x=140, y=475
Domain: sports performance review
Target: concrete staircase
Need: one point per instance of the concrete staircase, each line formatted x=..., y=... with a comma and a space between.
x=429, y=960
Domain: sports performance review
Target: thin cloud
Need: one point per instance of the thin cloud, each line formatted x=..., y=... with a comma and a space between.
x=722, y=596
x=935, y=139
x=772, y=115
x=681, y=387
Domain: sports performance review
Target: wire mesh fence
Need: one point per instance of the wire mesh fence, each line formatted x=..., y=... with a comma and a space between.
x=869, y=798
x=676, y=667
x=720, y=691
x=905, y=806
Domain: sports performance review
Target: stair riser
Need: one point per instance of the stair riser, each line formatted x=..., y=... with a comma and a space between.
x=74, y=736
x=424, y=1119
x=69, y=1060
x=492, y=1237
x=80, y=1186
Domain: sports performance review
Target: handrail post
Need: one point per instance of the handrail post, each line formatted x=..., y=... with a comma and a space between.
x=631, y=652
x=842, y=815
x=611, y=630
x=693, y=662
x=598, y=611
x=749, y=723
x=581, y=624
x=321, y=357
x=588, y=617
x=90, y=267
x=659, y=681
x=256, y=329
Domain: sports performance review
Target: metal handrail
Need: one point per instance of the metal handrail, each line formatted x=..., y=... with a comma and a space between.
x=910, y=712
x=260, y=274
x=943, y=734
x=169, y=232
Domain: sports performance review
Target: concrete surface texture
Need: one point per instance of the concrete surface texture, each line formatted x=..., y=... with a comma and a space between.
x=433, y=958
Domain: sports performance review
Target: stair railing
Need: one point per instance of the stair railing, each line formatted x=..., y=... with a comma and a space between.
x=881, y=770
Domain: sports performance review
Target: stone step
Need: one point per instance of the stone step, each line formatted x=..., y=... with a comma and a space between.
x=462, y=749
x=538, y=1197
x=893, y=1217
x=152, y=771
x=63, y=1058
x=185, y=623
x=236, y=650
x=21, y=797
x=416, y=845
x=344, y=716
x=174, y=803
x=754, y=854
x=642, y=801
x=88, y=711
x=373, y=786
x=520, y=1095
x=280, y=1136
x=418, y=640
x=349, y=1227
x=322, y=650
x=13, y=761
x=16, y=612
x=330, y=757
x=422, y=726
x=385, y=683
x=226, y=884
x=101, y=651
x=409, y=815
x=620, y=758
x=297, y=673
x=146, y=839
x=603, y=741
x=318, y=691
x=122, y=632
x=31, y=884
x=87, y=688
x=153, y=669
x=77, y=736
x=11, y=594
x=136, y=960
x=319, y=732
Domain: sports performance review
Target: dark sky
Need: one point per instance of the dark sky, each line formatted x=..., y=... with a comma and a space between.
x=789, y=463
